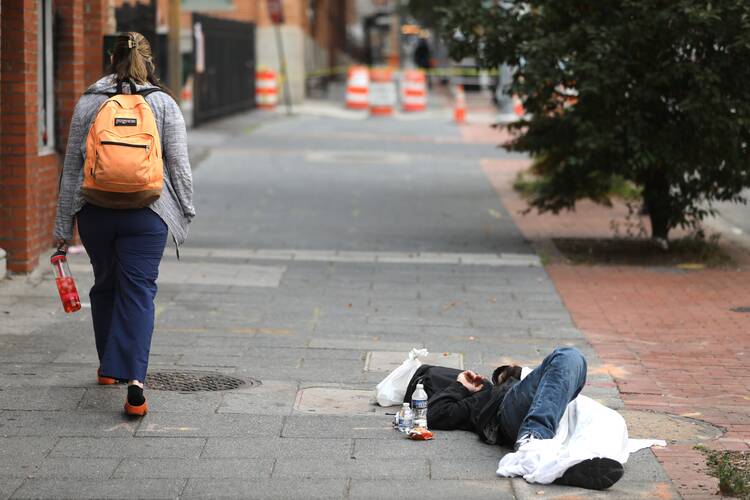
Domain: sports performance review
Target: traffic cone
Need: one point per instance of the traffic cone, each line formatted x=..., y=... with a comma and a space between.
x=459, y=109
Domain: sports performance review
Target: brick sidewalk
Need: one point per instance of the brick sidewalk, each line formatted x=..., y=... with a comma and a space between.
x=669, y=336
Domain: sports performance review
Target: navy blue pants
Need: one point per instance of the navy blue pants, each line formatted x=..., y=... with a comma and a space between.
x=125, y=248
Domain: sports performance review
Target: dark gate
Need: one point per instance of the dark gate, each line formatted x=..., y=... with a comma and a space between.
x=227, y=83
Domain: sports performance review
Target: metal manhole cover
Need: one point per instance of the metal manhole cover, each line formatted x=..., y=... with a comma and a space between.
x=745, y=309
x=194, y=381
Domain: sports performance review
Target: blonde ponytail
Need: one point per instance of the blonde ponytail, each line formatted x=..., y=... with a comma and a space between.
x=132, y=59
x=140, y=58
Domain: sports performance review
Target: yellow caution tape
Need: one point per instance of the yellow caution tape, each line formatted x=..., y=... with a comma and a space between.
x=443, y=71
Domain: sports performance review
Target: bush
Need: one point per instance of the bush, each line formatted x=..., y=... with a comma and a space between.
x=654, y=93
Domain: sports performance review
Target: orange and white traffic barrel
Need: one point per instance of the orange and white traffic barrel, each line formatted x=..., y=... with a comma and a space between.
x=186, y=101
x=459, y=109
x=382, y=92
x=414, y=90
x=186, y=95
x=266, y=88
x=357, y=86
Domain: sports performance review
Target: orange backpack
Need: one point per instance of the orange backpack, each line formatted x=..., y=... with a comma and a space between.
x=124, y=166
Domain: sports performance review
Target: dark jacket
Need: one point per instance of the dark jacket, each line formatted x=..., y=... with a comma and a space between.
x=452, y=406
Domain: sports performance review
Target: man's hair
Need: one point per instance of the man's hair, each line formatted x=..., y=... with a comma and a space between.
x=503, y=373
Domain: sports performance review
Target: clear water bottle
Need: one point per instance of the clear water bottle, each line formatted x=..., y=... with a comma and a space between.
x=405, y=418
x=419, y=405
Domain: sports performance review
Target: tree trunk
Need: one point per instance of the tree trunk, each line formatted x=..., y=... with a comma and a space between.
x=656, y=196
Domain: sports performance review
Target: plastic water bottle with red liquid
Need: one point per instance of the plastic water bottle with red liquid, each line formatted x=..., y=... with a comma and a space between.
x=66, y=286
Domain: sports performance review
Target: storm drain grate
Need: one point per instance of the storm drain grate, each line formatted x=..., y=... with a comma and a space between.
x=741, y=309
x=194, y=381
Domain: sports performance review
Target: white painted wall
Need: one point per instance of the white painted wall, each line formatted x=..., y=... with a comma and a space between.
x=3, y=264
x=303, y=56
x=294, y=49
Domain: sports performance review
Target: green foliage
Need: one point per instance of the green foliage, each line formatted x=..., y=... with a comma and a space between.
x=528, y=185
x=663, y=95
x=732, y=469
x=427, y=12
x=531, y=185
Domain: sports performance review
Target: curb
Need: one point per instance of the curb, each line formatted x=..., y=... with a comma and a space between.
x=740, y=242
x=196, y=155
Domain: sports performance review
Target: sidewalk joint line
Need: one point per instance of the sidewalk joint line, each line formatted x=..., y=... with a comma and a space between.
x=366, y=257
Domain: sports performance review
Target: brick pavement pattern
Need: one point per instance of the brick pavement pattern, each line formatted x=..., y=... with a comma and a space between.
x=667, y=335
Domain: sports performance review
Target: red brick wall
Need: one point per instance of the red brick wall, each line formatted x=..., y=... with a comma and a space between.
x=70, y=57
x=93, y=30
x=18, y=140
x=329, y=29
x=28, y=181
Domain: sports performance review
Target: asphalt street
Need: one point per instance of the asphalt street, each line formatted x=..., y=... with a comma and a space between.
x=325, y=248
x=736, y=216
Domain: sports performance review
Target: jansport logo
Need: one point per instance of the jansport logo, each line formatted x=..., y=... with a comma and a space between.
x=126, y=122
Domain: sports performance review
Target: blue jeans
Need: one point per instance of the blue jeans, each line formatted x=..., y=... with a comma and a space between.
x=536, y=404
x=125, y=248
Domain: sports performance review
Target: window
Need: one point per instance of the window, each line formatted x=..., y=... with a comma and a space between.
x=45, y=84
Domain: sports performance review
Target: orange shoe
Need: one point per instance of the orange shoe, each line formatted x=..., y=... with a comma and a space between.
x=136, y=411
x=102, y=380
x=135, y=403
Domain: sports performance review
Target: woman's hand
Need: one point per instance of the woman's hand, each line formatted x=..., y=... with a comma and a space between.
x=62, y=245
x=470, y=380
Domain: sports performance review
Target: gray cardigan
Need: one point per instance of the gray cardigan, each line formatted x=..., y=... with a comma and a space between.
x=174, y=206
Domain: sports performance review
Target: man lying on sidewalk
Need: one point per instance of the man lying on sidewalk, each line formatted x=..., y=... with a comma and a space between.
x=514, y=412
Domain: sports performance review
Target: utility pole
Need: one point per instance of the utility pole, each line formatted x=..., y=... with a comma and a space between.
x=174, y=57
x=282, y=67
x=276, y=13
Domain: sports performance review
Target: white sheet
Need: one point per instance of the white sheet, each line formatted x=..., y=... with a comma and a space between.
x=587, y=430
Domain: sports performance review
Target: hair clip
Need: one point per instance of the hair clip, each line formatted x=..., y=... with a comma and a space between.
x=132, y=44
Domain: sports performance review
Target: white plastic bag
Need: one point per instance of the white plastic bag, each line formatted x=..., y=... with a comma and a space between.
x=587, y=430
x=391, y=390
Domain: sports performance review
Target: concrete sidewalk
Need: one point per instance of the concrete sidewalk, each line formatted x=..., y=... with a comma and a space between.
x=322, y=253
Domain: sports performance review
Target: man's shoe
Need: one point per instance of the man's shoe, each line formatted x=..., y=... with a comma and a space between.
x=135, y=403
x=593, y=474
x=102, y=380
x=524, y=440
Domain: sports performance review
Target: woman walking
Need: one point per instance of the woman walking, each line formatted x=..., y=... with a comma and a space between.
x=126, y=180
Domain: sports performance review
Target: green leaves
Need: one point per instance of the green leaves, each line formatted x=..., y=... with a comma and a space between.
x=663, y=95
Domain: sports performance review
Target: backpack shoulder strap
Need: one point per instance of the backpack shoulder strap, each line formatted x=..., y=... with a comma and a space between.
x=149, y=91
x=133, y=91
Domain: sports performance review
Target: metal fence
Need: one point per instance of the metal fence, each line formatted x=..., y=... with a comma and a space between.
x=224, y=63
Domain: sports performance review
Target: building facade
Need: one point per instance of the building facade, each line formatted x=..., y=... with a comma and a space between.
x=47, y=49
x=314, y=35
x=51, y=50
